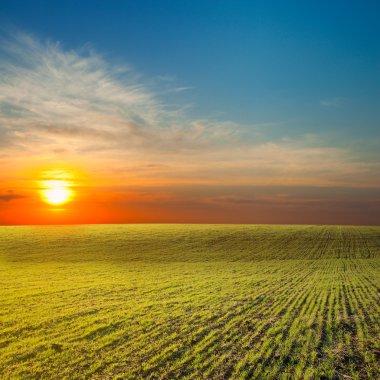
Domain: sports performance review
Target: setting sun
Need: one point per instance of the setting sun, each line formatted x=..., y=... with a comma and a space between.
x=56, y=192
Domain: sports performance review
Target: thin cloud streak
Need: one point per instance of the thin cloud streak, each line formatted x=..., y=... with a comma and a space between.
x=10, y=196
x=57, y=97
x=336, y=102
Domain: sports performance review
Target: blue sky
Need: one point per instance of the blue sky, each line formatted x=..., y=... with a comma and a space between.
x=308, y=67
x=258, y=107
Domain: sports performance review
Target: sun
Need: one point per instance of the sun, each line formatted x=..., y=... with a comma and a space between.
x=56, y=192
x=58, y=186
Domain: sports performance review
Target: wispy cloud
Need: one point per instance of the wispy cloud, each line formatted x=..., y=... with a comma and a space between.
x=10, y=196
x=183, y=88
x=60, y=103
x=52, y=96
x=336, y=102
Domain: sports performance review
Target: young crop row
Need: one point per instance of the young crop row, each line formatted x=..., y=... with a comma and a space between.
x=192, y=243
x=213, y=319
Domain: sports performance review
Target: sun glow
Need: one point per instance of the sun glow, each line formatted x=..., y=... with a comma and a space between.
x=56, y=190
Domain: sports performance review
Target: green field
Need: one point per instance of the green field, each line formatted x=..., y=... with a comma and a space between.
x=190, y=302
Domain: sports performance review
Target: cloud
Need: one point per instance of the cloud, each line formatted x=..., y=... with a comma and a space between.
x=336, y=102
x=299, y=200
x=10, y=196
x=183, y=88
x=78, y=100
x=59, y=104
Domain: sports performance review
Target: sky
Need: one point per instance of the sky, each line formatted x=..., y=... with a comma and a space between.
x=189, y=112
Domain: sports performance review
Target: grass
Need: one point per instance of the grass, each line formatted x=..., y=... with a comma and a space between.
x=190, y=302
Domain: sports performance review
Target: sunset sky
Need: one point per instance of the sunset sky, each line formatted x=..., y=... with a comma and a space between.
x=190, y=112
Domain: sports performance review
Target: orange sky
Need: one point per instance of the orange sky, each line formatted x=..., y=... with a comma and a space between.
x=111, y=199
x=129, y=158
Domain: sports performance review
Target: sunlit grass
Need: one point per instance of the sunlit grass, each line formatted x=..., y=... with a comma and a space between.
x=189, y=302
